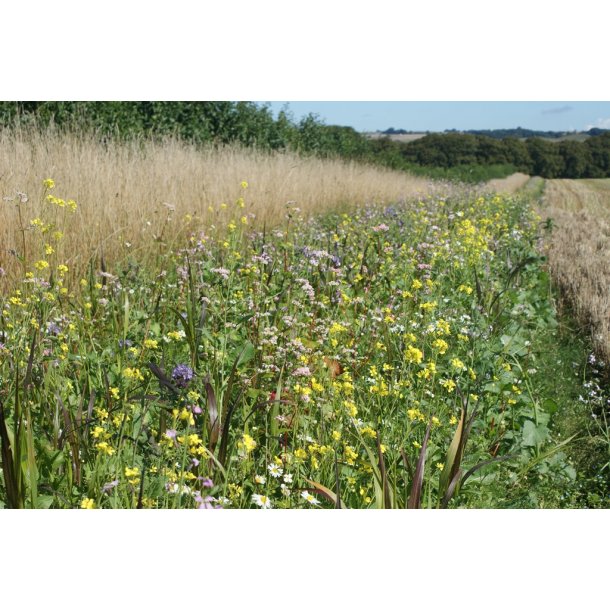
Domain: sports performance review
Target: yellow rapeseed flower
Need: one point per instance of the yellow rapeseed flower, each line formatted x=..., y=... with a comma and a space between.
x=87, y=503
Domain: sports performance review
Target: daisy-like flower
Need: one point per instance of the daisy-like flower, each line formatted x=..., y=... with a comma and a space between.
x=287, y=478
x=259, y=479
x=262, y=501
x=275, y=471
x=310, y=498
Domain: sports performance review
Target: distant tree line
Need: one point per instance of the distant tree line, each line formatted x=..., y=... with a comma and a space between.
x=452, y=154
x=522, y=133
x=535, y=156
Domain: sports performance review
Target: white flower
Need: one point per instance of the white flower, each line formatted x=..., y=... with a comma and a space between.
x=287, y=478
x=311, y=499
x=259, y=479
x=285, y=490
x=262, y=501
x=275, y=471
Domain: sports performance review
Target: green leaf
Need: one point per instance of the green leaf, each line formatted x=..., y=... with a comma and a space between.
x=533, y=435
x=247, y=353
x=44, y=501
x=454, y=457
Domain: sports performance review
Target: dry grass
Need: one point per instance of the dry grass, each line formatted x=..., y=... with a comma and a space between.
x=121, y=189
x=509, y=185
x=579, y=250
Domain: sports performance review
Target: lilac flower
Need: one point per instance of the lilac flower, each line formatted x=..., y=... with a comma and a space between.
x=170, y=433
x=125, y=343
x=182, y=375
x=108, y=487
x=207, y=502
x=222, y=272
x=53, y=329
x=302, y=371
x=381, y=228
x=207, y=483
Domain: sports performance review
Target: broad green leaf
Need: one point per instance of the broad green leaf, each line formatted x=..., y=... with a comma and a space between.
x=533, y=435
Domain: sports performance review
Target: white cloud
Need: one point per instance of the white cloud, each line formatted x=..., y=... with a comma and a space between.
x=601, y=123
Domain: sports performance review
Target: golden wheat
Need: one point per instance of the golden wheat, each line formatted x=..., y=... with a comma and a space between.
x=579, y=250
x=133, y=193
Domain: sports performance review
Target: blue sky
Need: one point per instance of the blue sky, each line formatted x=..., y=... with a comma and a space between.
x=438, y=116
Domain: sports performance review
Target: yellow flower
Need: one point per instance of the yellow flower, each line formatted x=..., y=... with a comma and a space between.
x=248, y=443
x=413, y=355
x=132, y=472
x=300, y=454
x=40, y=265
x=49, y=183
x=133, y=374
x=441, y=345
x=151, y=344
x=368, y=431
x=104, y=447
x=87, y=503
x=448, y=384
x=457, y=364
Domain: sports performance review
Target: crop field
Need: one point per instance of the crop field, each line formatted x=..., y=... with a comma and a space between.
x=579, y=250
x=145, y=196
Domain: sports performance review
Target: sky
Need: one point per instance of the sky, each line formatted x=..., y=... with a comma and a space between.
x=462, y=115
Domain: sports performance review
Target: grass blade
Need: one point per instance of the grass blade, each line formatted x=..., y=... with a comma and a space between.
x=452, y=462
x=213, y=421
x=327, y=493
x=8, y=465
x=387, y=494
x=418, y=479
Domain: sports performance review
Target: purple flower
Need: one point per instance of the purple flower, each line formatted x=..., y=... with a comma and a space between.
x=53, y=329
x=207, y=483
x=182, y=374
x=170, y=433
x=126, y=343
x=108, y=487
x=207, y=502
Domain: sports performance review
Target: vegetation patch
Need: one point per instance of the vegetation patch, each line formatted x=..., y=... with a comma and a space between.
x=387, y=357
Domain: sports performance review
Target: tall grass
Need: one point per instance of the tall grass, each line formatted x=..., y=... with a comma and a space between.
x=140, y=195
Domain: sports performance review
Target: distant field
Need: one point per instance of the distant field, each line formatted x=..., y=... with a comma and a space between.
x=579, y=250
x=405, y=137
